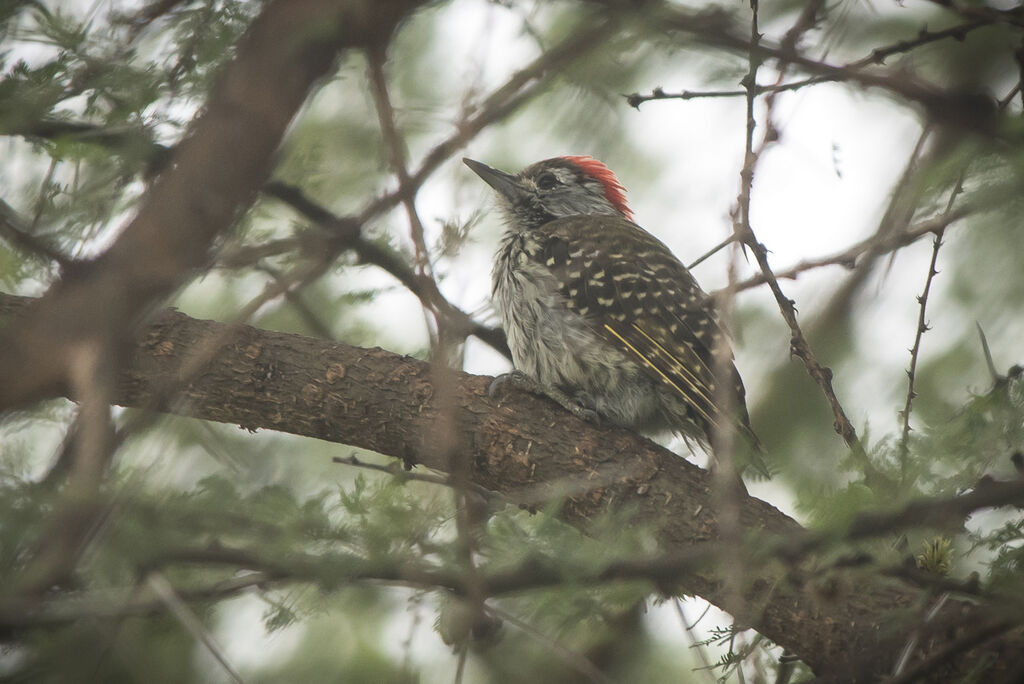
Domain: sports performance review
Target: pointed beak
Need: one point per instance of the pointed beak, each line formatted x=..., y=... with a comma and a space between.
x=504, y=183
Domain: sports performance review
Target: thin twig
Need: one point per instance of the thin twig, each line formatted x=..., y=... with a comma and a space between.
x=915, y=635
x=347, y=232
x=89, y=447
x=1011, y=16
x=577, y=661
x=695, y=643
x=876, y=56
x=397, y=470
x=540, y=494
x=743, y=230
x=922, y=325
x=876, y=245
x=398, y=157
x=13, y=229
x=522, y=86
x=192, y=624
x=750, y=157
x=468, y=516
x=726, y=483
x=963, y=111
x=894, y=222
x=821, y=374
x=922, y=328
x=537, y=572
x=461, y=663
x=519, y=89
x=318, y=326
x=105, y=604
x=399, y=166
x=711, y=252
x=953, y=649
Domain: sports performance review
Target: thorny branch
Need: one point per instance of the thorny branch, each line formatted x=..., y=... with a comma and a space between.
x=895, y=220
x=876, y=56
x=821, y=374
x=727, y=483
x=714, y=28
x=922, y=328
x=943, y=512
x=922, y=324
x=744, y=232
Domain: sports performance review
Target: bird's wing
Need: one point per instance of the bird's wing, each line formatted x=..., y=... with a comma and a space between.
x=642, y=300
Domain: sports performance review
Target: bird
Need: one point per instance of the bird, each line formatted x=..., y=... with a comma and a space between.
x=600, y=316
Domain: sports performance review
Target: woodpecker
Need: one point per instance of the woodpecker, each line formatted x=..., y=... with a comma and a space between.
x=600, y=316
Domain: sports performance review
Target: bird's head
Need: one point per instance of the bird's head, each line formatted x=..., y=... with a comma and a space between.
x=555, y=188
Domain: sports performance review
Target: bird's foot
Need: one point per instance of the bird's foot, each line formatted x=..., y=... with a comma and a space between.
x=517, y=379
x=578, y=406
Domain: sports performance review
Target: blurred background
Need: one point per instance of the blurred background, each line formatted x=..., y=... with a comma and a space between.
x=91, y=91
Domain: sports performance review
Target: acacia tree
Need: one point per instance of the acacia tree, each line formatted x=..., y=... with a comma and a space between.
x=267, y=164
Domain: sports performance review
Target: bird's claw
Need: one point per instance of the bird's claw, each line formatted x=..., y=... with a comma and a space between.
x=520, y=380
x=584, y=413
x=517, y=379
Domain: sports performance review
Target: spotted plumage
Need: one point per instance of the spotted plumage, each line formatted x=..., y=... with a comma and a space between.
x=598, y=312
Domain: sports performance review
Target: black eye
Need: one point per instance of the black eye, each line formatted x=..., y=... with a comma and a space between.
x=546, y=181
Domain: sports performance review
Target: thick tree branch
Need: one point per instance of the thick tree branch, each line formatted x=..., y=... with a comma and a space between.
x=212, y=176
x=377, y=400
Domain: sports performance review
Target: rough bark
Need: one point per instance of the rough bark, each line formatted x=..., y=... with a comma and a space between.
x=521, y=447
